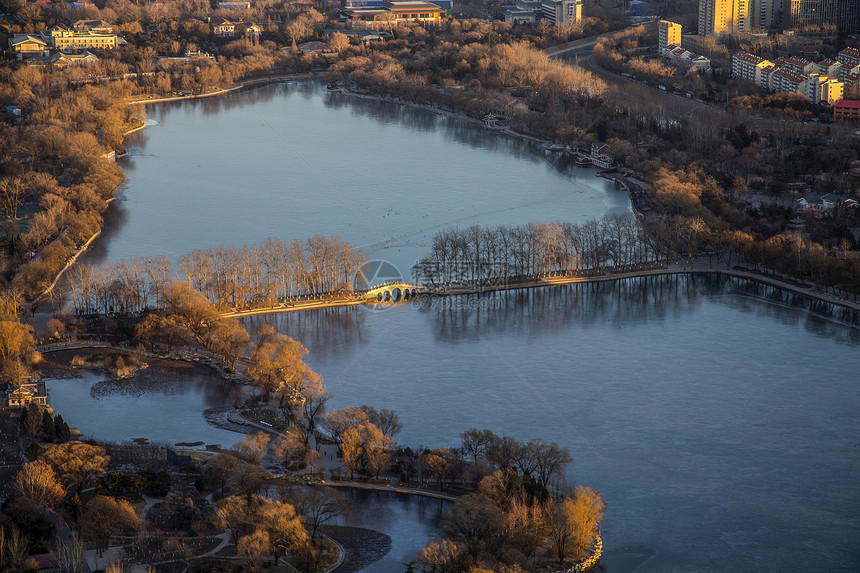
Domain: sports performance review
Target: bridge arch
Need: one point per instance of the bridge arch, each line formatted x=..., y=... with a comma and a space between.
x=392, y=292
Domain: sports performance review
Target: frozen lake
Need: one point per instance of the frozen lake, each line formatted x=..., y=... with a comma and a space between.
x=721, y=427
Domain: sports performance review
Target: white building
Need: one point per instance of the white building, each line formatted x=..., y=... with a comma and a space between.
x=558, y=11
x=683, y=57
x=784, y=80
x=749, y=67
x=830, y=68
x=554, y=11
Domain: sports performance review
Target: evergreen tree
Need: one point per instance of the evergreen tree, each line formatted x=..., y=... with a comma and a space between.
x=48, y=426
x=64, y=433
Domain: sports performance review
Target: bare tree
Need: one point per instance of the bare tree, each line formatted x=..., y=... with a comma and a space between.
x=318, y=505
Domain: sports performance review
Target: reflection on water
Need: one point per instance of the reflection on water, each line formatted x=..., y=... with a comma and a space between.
x=546, y=311
x=329, y=329
x=410, y=520
x=162, y=408
x=719, y=421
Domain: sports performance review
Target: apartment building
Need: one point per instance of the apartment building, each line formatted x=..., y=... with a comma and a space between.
x=750, y=68
x=554, y=11
x=830, y=68
x=795, y=74
x=799, y=65
x=765, y=14
x=558, y=11
x=723, y=16
x=668, y=33
x=783, y=80
x=823, y=89
x=844, y=14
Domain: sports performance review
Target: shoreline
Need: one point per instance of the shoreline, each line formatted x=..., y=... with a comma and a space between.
x=77, y=253
x=249, y=83
x=443, y=112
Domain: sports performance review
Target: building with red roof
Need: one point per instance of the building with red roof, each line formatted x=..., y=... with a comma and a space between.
x=846, y=110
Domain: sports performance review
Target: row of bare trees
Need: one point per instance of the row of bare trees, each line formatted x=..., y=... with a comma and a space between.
x=491, y=254
x=274, y=270
x=129, y=286
x=227, y=276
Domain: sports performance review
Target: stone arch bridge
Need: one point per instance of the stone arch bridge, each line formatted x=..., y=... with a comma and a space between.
x=392, y=292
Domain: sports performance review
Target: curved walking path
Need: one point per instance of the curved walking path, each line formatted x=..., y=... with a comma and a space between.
x=391, y=488
x=292, y=306
x=149, y=503
x=341, y=554
x=697, y=267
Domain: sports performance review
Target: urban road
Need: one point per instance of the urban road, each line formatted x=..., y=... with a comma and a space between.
x=580, y=53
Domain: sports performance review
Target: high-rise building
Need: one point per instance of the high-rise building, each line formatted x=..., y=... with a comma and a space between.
x=558, y=11
x=669, y=34
x=800, y=13
x=844, y=14
x=723, y=16
x=732, y=16
x=765, y=13
x=849, y=16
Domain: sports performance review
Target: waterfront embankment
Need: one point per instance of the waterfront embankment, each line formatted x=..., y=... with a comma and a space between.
x=245, y=84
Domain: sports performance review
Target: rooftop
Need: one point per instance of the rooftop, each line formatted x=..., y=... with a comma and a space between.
x=413, y=5
x=790, y=75
x=749, y=58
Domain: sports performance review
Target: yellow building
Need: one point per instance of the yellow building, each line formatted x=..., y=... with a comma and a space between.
x=669, y=34
x=64, y=39
x=824, y=89
x=415, y=11
x=391, y=12
x=723, y=16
